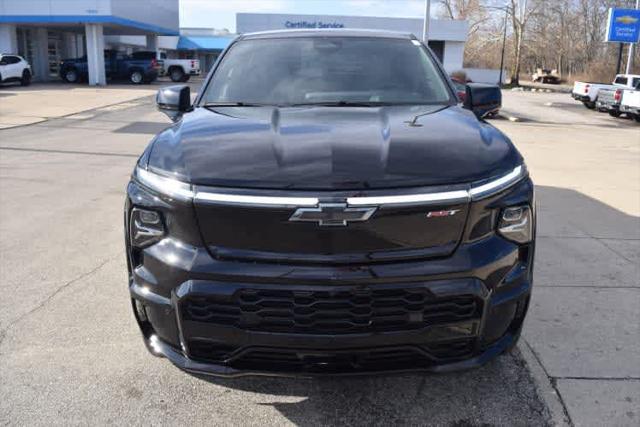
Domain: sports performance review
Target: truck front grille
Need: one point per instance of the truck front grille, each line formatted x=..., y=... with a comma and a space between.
x=354, y=310
x=352, y=360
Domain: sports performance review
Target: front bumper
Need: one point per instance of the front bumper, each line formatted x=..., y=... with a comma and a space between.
x=493, y=272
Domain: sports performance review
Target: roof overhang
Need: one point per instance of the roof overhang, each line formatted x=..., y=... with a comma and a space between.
x=113, y=25
x=208, y=43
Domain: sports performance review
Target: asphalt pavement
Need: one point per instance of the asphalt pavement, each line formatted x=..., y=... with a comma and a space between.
x=70, y=352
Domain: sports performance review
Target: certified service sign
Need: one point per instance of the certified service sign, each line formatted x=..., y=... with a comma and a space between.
x=623, y=25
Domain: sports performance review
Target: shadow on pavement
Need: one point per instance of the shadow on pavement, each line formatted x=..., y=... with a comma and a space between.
x=499, y=393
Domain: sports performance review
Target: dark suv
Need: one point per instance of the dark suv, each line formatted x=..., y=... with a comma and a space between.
x=117, y=66
x=326, y=206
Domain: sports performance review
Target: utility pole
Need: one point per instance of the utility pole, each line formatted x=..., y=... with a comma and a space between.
x=504, y=42
x=631, y=48
x=427, y=18
x=619, y=58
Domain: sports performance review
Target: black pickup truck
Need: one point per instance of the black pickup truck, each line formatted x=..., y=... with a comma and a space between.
x=117, y=66
x=327, y=206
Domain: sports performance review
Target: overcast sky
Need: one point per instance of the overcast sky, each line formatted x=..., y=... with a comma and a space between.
x=222, y=13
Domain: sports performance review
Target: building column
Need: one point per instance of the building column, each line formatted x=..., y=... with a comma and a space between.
x=8, y=38
x=68, y=45
x=95, y=54
x=152, y=43
x=40, y=66
x=79, y=46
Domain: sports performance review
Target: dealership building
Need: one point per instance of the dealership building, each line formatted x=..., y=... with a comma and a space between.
x=46, y=31
x=446, y=37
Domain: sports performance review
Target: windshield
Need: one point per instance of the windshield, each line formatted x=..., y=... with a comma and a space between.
x=325, y=70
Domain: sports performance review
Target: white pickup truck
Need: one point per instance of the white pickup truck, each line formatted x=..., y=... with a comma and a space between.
x=630, y=102
x=587, y=92
x=179, y=70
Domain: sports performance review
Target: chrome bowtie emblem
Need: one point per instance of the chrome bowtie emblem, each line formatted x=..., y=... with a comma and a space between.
x=332, y=214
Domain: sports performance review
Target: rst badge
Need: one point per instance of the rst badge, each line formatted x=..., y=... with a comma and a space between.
x=440, y=214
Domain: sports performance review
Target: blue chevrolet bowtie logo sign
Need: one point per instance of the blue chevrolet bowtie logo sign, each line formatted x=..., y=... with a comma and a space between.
x=623, y=25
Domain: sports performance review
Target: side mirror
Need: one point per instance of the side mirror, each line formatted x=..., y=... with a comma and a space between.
x=483, y=99
x=174, y=101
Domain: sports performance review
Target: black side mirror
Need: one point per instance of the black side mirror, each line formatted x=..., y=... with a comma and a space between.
x=483, y=99
x=174, y=101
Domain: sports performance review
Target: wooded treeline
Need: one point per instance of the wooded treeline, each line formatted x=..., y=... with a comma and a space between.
x=566, y=35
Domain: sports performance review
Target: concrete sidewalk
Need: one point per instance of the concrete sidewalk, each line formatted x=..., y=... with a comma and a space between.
x=39, y=102
x=584, y=320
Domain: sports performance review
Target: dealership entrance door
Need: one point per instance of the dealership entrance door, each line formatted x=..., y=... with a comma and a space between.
x=437, y=46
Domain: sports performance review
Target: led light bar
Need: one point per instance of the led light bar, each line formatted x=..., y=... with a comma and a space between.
x=256, y=200
x=182, y=190
x=169, y=186
x=497, y=184
x=461, y=195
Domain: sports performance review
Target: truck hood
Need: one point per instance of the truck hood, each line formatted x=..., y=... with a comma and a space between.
x=332, y=148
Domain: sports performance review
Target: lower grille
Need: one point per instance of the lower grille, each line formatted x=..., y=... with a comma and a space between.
x=353, y=310
x=295, y=360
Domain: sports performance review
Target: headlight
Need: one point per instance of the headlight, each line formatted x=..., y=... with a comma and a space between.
x=146, y=227
x=516, y=224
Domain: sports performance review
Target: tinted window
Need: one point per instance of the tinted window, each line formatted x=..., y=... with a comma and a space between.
x=8, y=59
x=621, y=80
x=327, y=69
x=143, y=55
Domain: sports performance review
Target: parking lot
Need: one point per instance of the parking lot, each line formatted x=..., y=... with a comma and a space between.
x=70, y=350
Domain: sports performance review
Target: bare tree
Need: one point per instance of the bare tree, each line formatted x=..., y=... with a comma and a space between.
x=567, y=35
x=521, y=12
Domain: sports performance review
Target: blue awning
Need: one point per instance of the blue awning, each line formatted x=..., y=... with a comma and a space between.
x=203, y=42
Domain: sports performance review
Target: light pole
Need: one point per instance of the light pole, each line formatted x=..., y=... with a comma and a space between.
x=427, y=18
x=504, y=42
x=631, y=47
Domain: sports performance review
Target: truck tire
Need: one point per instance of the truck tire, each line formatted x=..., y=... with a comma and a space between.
x=70, y=75
x=26, y=78
x=136, y=77
x=589, y=105
x=176, y=74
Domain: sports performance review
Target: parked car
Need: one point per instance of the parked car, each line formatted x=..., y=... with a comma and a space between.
x=609, y=101
x=587, y=92
x=179, y=70
x=630, y=103
x=329, y=207
x=543, y=75
x=460, y=86
x=14, y=68
x=117, y=66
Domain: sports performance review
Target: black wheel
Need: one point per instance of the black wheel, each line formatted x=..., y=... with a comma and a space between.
x=590, y=105
x=26, y=78
x=614, y=113
x=71, y=75
x=136, y=77
x=176, y=74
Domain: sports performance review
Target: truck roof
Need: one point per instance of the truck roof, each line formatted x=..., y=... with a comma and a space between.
x=327, y=32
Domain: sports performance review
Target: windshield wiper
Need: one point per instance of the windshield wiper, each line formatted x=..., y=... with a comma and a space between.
x=341, y=104
x=233, y=104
